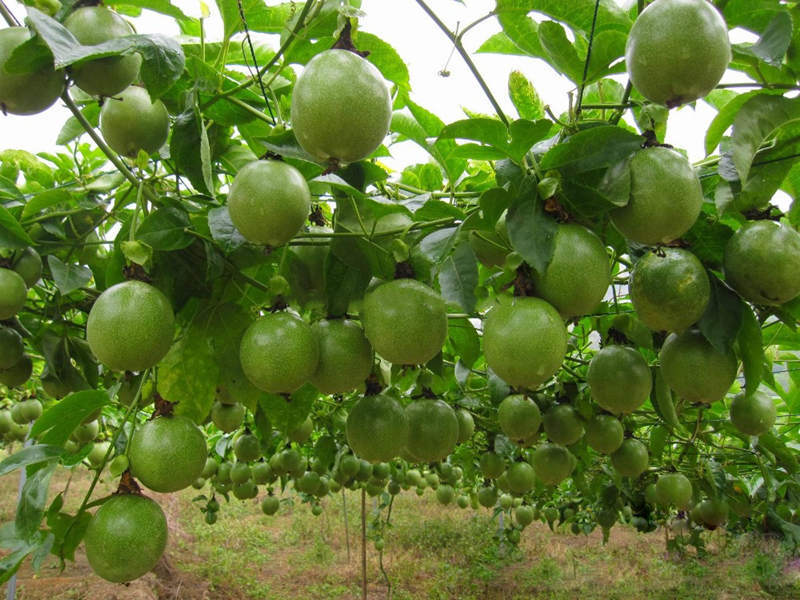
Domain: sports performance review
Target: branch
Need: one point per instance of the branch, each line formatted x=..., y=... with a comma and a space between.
x=588, y=59
x=460, y=47
x=8, y=15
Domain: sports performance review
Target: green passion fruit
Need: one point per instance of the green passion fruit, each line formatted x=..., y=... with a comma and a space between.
x=92, y=25
x=377, y=428
x=519, y=417
x=552, y=463
x=125, y=538
x=761, y=261
x=269, y=201
x=26, y=93
x=669, y=289
x=677, y=51
x=579, y=273
x=13, y=293
x=665, y=197
x=405, y=321
x=432, y=430
x=131, y=121
x=168, y=453
x=345, y=356
x=341, y=107
x=619, y=379
x=525, y=341
x=694, y=369
x=563, y=425
x=631, y=458
x=673, y=489
x=754, y=413
x=604, y=434
x=279, y=352
x=130, y=326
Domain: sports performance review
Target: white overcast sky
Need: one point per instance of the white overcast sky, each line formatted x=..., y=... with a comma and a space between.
x=425, y=50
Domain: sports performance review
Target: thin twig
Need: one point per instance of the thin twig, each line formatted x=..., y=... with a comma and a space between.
x=8, y=15
x=588, y=59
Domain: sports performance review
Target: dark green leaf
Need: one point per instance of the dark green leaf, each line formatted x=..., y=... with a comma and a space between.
x=165, y=229
x=165, y=7
x=343, y=284
x=458, y=277
x=774, y=42
x=560, y=51
x=723, y=317
x=31, y=455
x=286, y=414
x=12, y=235
x=223, y=230
x=70, y=277
x=531, y=231
x=33, y=500
x=487, y=131
x=465, y=341
x=751, y=349
x=591, y=149
x=60, y=420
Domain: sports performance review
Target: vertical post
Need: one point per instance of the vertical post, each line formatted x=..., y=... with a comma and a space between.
x=363, y=544
x=11, y=590
x=346, y=526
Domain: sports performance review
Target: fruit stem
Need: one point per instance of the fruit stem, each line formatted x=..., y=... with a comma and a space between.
x=471, y=65
x=8, y=15
x=101, y=143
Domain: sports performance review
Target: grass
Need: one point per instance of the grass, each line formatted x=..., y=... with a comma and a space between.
x=431, y=553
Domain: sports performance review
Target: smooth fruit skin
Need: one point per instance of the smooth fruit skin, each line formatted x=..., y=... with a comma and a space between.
x=13, y=293
x=405, y=321
x=269, y=201
x=604, y=434
x=168, y=453
x=28, y=264
x=521, y=478
x=26, y=93
x=227, y=417
x=247, y=448
x=466, y=425
x=279, y=353
x=432, y=430
x=491, y=465
x=18, y=374
x=341, y=107
x=665, y=197
x=345, y=356
x=694, y=369
x=519, y=417
x=631, y=459
x=552, y=463
x=92, y=25
x=562, y=424
x=711, y=513
x=579, y=273
x=524, y=341
x=669, y=289
x=130, y=326
x=673, y=489
x=753, y=414
x=377, y=428
x=677, y=51
x=131, y=122
x=619, y=379
x=125, y=538
x=11, y=347
x=761, y=261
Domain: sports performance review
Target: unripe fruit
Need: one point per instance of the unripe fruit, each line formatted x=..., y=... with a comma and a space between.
x=677, y=51
x=673, y=489
x=604, y=434
x=377, y=428
x=519, y=417
x=340, y=107
x=753, y=414
x=694, y=369
x=11, y=347
x=619, y=379
x=131, y=122
x=631, y=459
x=130, y=326
x=28, y=264
x=279, y=353
x=18, y=374
x=466, y=425
x=302, y=432
x=432, y=430
x=93, y=25
x=227, y=417
x=345, y=356
x=247, y=448
x=269, y=201
x=25, y=93
x=552, y=463
x=562, y=424
x=405, y=321
x=13, y=292
x=126, y=537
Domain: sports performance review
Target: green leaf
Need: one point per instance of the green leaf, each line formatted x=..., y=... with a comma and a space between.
x=33, y=500
x=44, y=200
x=723, y=317
x=68, y=278
x=500, y=43
x=32, y=455
x=223, y=230
x=385, y=58
x=531, y=231
x=343, y=284
x=759, y=120
x=136, y=252
x=661, y=399
x=286, y=414
x=164, y=7
x=591, y=149
x=774, y=42
x=561, y=51
x=12, y=235
x=487, y=131
x=465, y=341
x=527, y=102
x=186, y=149
x=751, y=349
x=59, y=421
x=165, y=229
x=458, y=277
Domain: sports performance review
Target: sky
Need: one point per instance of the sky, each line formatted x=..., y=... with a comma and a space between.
x=425, y=49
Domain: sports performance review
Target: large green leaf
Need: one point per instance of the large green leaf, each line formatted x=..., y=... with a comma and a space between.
x=591, y=149
x=59, y=421
x=751, y=350
x=458, y=277
x=531, y=231
x=287, y=413
x=165, y=229
x=31, y=455
x=68, y=277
